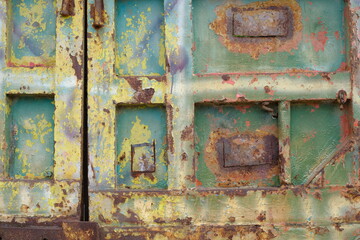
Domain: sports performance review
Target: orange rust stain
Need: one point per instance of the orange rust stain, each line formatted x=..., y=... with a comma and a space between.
x=242, y=108
x=264, y=45
x=319, y=40
x=197, y=182
x=337, y=35
x=356, y=123
x=343, y=67
x=345, y=127
x=309, y=136
x=253, y=80
x=230, y=81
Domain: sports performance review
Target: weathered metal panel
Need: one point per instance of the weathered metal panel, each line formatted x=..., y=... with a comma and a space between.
x=260, y=143
x=41, y=81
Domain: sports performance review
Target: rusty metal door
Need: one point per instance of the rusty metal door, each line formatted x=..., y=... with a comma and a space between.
x=41, y=77
x=214, y=119
x=202, y=119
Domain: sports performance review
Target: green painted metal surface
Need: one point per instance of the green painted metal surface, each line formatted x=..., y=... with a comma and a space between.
x=31, y=125
x=140, y=48
x=213, y=123
x=205, y=119
x=138, y=150
x=33, y=32
x=321, y=46
x=316, y=130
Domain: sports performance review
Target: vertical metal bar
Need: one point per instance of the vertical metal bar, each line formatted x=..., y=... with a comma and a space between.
x=67, y=8
x=178, y=52
x=354, y=31
x=284, y=142
x=99, y=14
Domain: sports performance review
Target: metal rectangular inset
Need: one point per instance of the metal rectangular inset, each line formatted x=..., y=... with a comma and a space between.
x=143, y=158
x=248, y=150
x=261, y=22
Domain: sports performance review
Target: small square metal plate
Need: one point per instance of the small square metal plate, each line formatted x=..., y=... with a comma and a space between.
x=143, y=158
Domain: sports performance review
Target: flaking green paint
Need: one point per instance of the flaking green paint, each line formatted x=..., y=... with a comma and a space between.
x=138, y=125
x=32, y=33
x=140, y=43
x=31, y=131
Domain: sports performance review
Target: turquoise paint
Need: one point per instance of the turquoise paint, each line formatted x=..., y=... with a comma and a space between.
x=139, y=27
x=33, y=34
x=317, y=16
x=155, y=118
x=31, y=137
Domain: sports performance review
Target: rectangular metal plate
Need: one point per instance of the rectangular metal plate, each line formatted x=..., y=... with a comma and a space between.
x=249, y=150
x=261, y=23
x=143, y=158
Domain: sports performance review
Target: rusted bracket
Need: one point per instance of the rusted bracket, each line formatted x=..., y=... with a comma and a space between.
x=284, y=141
x=67, y=8
x=265, y=106
x=98, y=14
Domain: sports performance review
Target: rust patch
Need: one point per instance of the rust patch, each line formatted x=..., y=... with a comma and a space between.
x=318, y=40
x=187, y=133
x=352, y=194
x=76, y=66
x=254, y=46
x=318, y=230
x=262, y=216
x=145, y=95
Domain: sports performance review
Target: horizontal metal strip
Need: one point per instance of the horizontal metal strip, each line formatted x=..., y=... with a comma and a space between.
x=271, y=87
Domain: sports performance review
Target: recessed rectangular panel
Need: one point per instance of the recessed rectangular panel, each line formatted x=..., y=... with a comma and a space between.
x=237, y=144
x=140, y=47
x=269, y=36
x=31, y=137
x=32, y=28
x=141, y=147
x=316, y=129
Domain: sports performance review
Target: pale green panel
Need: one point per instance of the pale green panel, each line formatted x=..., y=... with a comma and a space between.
x=316, y=131
x=32, y=33
x=320, y=45
x=30, y=137
x=140, y=46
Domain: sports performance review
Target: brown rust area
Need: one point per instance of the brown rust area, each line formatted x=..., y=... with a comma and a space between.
x=187, y=133
x=67, y=8
x=242, y=175
x=255, y=46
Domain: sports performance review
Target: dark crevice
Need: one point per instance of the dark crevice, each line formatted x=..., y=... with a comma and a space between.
x=85, y=156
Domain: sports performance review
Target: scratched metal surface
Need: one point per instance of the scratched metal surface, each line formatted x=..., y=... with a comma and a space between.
x=41, y=81
x=222, y=90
